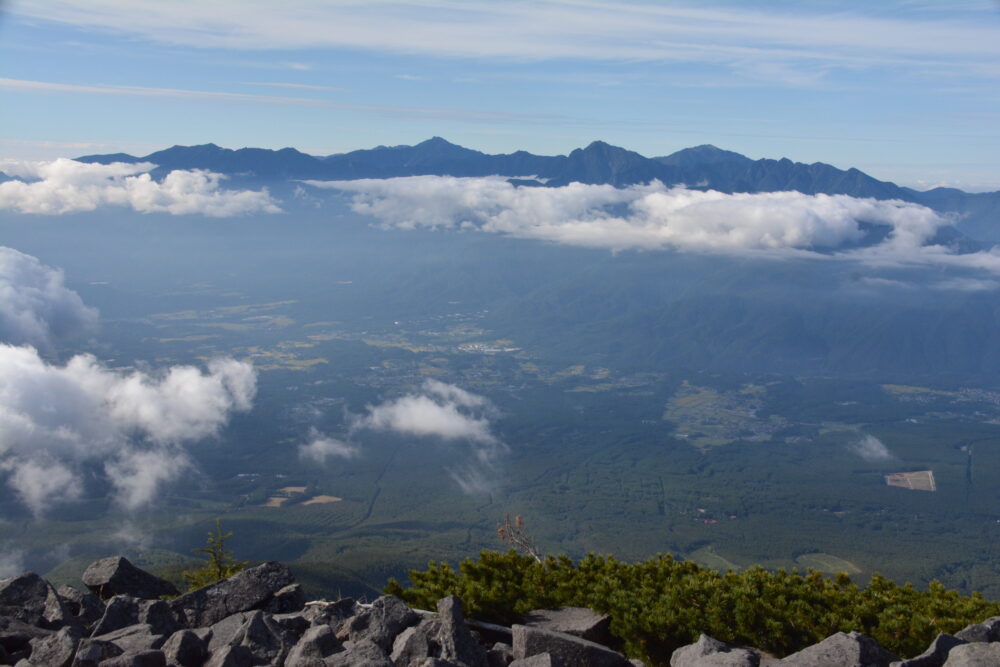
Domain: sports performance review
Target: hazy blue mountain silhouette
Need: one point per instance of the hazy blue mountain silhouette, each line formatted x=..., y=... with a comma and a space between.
x=701, y=167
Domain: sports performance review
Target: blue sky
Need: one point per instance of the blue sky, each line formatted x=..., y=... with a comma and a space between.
x=906, y=91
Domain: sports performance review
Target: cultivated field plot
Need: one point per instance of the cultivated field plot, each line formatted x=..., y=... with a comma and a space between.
x=920, y=480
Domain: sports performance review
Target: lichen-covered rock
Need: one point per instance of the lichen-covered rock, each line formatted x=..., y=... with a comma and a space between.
x=540, y=660
x=987, y=631
x=185, y=648
x=251, y=589
x=149, y=658
x=116, y=575
x=92, y=652
x=977, y=654
x=415, y=643
x=318, y=643
x=843, y=649
x=55, y=650
x=569, y=650
x=134, y=638
x=288, y=600
x=576, y=621
x=935, y=655
x=382, y=622
x=709, y=652
x=230, y=656
x=456, y=641
x=500, y=655
x=87, y=607
x=32, y=600
x=360, y=653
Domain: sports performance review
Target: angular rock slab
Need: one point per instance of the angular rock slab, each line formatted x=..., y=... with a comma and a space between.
x=841, y=650
x=540, y=660
x=978, y=654
x=709, y=652
x=30, y=599
x=56, y=650
x=116, y=575
x=251, y=589
x=935, y=655
x=382, y=622
x=569, y=650
x=456, y=641
x=987, y=631
x=185, y=648
x=576, y=621
x=361, y=653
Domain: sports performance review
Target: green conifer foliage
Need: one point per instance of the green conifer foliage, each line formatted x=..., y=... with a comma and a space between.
x=221, y=564
x=662, y=603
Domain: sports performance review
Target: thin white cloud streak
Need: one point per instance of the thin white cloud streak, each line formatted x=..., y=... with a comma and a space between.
x=67, y=186
x=437, y=113
x=320, y=448
x=449, y=413
x=576, y=29
x=54, y=419
x=11, y=562
x=871, y=449
x=36, y=308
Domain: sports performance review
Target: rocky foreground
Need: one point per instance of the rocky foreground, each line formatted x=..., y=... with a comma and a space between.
x=260, y=617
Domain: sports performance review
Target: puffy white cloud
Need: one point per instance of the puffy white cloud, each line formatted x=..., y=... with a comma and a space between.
x=654, y=216
x=871, y=449
x=320, y=448
x=36, y=308
x=67, y=186
x=449, y=413
x=11, y=562
x=55, y=418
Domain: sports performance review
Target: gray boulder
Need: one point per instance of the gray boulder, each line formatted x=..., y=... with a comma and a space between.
x=979, y=654
x=569, y=650
x=87, y=607
x=540, y=660
x=456, y=641
x=360, y=653
x=415, y=643
x=316, y=644
x=32, y=600
x=500, y=655
x=16, y=637
x=841, y=650
x=123, y=611
x=382, y=622
x=289, y=599
x=576, y=621
x=230, y=656
x=55, y=650
x=709, y=652
x=935, y=655
x=185, y=648
x=251, y=589
x=118, y=576
x=136, y=659
x=134, y=638
x=331, y=613
x=987, y=631
x=92, y=652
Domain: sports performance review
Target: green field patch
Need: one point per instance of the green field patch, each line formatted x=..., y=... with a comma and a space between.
x=707, y=557
x=827, y=563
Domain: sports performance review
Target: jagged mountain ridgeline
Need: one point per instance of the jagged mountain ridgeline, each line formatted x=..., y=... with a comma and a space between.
x=700, y=167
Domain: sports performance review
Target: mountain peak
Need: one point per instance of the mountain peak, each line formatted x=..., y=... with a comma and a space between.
x=703, y=154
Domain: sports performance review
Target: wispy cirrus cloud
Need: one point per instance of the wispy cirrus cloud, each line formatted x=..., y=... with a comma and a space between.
x=438, y=113
x=572, y=29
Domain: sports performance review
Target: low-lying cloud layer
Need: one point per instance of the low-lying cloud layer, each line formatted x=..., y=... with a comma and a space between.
x=654, y=216
x=449, y=413
x=67, y=186
x=36, y=308
x=871, y=449
x=56, y=419
x=321, y=447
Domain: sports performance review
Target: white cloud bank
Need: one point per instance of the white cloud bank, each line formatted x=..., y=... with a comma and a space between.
x=36, y=308
x=55, y=419
x=450, y=413
x=67, y=186
x=654, y=216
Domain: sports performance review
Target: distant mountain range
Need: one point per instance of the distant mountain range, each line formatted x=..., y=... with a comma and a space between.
x=701, y=167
